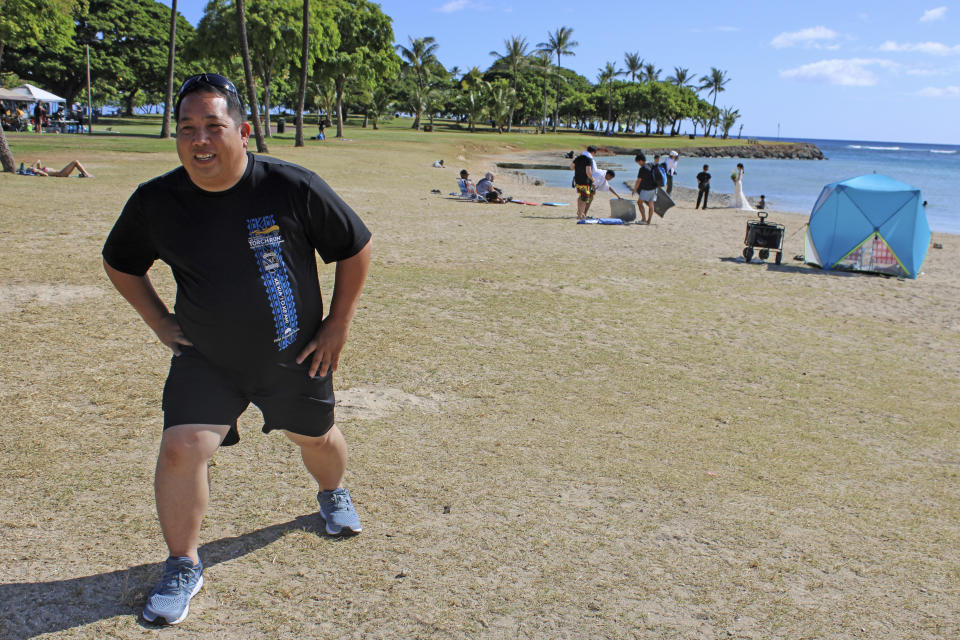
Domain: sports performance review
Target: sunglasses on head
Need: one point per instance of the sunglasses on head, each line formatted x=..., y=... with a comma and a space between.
x=206, y=79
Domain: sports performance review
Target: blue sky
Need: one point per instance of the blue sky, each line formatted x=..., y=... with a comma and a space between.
x=883, y=70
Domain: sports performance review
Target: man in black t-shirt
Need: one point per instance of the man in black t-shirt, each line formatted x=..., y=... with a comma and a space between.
x=703, y=187
x=583, y=168
x=240, y=233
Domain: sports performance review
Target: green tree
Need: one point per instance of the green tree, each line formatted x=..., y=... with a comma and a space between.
x=728, y=117
x=304, y=72
x=364, y=52
x=500, y=103
x=378, y=105
x=634, y=65
x=651, y=73
x=681, y=77
x=248, y=74
x=172, y=51
x=605, y=79
x=514, y=58
x=33, y=23
x=561, y=43
x=419, y=58
x=714, y=83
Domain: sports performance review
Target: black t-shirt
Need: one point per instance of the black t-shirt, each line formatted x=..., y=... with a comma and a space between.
x=645, y=175
x=582, y=166
x=703, y=179
x=244, y=259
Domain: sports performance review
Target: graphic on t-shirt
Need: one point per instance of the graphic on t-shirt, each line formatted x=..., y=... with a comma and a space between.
x=266, y=242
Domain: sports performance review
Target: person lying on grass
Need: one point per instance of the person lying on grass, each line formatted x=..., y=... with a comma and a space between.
x=39, y=170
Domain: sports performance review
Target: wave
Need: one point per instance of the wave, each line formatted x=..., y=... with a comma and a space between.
x=951, y=151
x=863, y=146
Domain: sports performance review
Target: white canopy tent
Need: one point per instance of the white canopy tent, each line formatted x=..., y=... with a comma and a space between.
x=15, y=96
x=37, y=94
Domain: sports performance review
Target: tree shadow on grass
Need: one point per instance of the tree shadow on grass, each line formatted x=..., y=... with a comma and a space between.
x=31, y=609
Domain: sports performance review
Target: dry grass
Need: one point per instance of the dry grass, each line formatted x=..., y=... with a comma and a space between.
x=578, y=431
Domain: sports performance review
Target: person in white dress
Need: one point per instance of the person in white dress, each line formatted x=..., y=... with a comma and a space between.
x=739, y=201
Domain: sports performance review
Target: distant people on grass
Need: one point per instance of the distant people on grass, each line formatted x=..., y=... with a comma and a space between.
x=487, y=191
x=37, y=169
x=39, y=114
x=739, y=200
x=671, y=164
x=703, y=186
x=320, y=127
x=646, y=189
x=584, y=167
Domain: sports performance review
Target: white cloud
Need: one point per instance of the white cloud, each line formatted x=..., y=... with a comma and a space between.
x=852, y=72
x=812, y=37
x=931, y=48
x=453, y=5
x=933, y=14
x=940, y=92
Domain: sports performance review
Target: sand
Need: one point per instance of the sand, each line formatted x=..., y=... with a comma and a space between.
x=556, y=430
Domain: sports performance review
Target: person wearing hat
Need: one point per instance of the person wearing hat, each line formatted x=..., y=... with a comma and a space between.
x=671, y=169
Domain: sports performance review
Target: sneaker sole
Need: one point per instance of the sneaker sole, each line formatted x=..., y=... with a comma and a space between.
x=183, y=615
x=345, y=531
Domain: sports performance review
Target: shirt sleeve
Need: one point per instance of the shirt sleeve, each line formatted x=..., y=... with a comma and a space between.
x=129, y=247
x=334, y=229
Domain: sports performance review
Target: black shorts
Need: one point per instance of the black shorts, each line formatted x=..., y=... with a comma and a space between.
x=199, y=392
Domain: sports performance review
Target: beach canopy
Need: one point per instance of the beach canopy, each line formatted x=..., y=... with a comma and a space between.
x=15, y=96
x=37, y=94
x=868, y=223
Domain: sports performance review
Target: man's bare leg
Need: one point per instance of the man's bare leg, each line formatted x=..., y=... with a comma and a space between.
x=325, y=457
x=181, y=486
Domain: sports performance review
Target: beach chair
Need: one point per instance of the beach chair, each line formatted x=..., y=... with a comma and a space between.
x=468, y=191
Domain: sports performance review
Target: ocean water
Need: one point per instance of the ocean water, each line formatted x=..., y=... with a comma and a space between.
x=794, y=185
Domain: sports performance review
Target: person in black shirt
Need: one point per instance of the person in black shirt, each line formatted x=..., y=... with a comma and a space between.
x=240, y=233
x=583, y=167
x=646, y=189
x=703, y=187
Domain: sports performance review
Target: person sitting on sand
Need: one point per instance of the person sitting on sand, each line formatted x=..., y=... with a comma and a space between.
x=487, y=191
x=438, y=164
x=763, y=202
x=40, y=170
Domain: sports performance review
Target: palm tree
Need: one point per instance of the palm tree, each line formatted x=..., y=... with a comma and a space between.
x=542, y=59
x=168, y=104
x=559, y=42
x=501, y=99
x=379, y=105
x=728, y=117
x=514, y=58
x=248, y=74
x=473, y=107
x=651, y=73
x=605, y=78
x=419, y=57
x=304, y=63
x=716, y=82
x=681, y=77
x=634, y=65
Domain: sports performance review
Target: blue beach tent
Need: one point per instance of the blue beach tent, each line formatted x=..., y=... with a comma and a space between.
x=868, y=223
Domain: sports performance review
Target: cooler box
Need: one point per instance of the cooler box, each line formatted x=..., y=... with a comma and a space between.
x=624, y=209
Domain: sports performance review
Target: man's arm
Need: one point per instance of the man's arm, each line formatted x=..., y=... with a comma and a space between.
x=139, y=292
x=332, y=336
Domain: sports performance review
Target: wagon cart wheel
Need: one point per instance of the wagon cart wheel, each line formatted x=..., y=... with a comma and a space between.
x=764, y=254
x=779, y=256
x=748, y=254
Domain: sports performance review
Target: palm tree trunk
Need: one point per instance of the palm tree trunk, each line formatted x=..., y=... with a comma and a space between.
x=248, y=74
x=304, y=61
x=168, y=103
x=556, y=111
x=340, y=84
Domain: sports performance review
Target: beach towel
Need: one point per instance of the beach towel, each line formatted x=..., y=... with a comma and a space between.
x=600, y=221
x=555, y=204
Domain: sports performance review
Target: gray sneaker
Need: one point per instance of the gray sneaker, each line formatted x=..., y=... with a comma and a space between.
x=336, y=509
x=169, y=602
